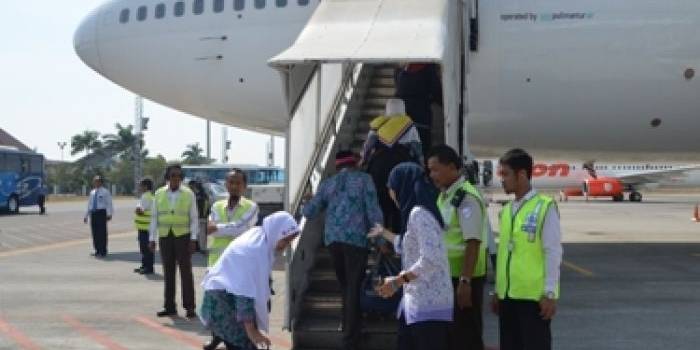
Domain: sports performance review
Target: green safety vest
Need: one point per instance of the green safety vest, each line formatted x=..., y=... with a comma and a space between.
x=454, y=240
x=177, y=218
x=521, y=261
x=143, y=221
x=219, y=244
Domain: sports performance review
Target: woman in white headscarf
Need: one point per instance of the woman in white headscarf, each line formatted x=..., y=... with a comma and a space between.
x=236, y=288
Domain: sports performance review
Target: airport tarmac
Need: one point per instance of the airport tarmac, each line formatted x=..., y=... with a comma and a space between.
x=629, y=281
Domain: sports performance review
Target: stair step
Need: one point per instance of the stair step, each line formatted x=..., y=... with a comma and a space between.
x=387, y=92
x=323, y=332
x=375, y=102
x=382, y=82
x=385, y=72
x=371, y=113
x=324, y=281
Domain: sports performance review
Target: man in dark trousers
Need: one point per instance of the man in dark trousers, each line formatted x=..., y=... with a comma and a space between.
x=463, y=210
x=175, y=222
x=529, y=259
x=142, y=221
x=99, y=211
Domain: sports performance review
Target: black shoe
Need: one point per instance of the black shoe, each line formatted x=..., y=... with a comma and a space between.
x=146, y=272
x=191, y=314
x=94, y=254
x=212, y=344
x=166, y=313
x=139, y=270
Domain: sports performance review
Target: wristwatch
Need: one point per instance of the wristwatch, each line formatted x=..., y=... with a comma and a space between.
x=550, y=295
x=465, y=280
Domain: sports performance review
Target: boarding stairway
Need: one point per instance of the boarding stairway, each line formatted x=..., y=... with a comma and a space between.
x=314, y=314
x=321, y=312
x=337, y=76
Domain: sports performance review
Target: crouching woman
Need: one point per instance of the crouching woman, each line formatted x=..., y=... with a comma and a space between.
x=236, y=288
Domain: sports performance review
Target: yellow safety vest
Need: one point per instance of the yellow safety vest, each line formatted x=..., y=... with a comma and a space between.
x=177, y=218
x=219, y=244
x=454, y=239
x=521, y=261
x=143, y=221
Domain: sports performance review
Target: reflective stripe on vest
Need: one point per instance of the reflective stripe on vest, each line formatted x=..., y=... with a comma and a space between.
x=219, y=244
x=143, y=221
x=521, y=261
x=177, y=218
x=454, y=239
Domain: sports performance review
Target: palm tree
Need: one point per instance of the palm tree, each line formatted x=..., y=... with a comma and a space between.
x=88, y=141
x=193, y=155
x=123, y=142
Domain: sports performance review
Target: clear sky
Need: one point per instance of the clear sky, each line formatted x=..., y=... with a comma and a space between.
x=48, y=95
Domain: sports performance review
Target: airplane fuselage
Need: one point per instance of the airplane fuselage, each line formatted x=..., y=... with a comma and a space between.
x=587, y=75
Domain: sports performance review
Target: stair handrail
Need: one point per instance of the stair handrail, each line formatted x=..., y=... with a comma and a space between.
x=329, y=128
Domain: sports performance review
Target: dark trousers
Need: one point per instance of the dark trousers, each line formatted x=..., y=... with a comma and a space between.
x=466, y=332
x=350, y=263
x=521, y=327
x=426, y=335
x=146, y=253
x=98, y=226
x=175, y=251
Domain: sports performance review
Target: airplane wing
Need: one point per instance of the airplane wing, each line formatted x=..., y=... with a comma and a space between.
x=653, y=176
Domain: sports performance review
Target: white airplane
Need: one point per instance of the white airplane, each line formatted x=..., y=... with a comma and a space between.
x=604, y=179
x=586, y=75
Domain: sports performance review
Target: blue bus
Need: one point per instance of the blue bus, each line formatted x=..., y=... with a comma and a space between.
x=21, y=179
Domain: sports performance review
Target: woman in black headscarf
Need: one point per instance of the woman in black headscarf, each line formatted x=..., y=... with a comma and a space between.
x=426, y=308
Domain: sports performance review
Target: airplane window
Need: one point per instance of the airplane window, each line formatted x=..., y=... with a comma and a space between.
x=124, y=16
x=218, y=5
x=160, y=11
x=142, y=13
x=281, y=3
x=259, y=4
x=303, y=2
x=179, y=9
x=198, y=7
x=238, y=5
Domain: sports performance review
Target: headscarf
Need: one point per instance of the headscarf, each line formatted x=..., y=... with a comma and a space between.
x=413, y=188
x=245, y=265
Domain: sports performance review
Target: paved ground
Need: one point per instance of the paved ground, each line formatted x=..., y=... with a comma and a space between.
x=63, y=222
x=631, y=281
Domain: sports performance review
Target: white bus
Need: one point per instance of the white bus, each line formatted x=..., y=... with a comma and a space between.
x=265, y=184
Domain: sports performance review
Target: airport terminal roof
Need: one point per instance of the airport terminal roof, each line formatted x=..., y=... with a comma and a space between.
x=8, y=140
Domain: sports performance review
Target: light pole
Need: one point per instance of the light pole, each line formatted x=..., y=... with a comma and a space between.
x=62, y=145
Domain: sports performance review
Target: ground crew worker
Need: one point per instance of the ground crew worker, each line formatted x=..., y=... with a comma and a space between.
x=175, y=222
x=142, y=221
x=529, y=259
x=464, y=213
x=229, y=219
x=99, y=211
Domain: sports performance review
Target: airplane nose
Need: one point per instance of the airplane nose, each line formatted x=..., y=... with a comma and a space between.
x=85, y=42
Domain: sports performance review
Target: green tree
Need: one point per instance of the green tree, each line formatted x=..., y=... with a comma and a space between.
x=89, y=141
x=122, y=144
x=154, y=168
x=193, y=154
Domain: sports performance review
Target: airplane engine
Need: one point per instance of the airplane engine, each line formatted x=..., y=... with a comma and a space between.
x=604, y=187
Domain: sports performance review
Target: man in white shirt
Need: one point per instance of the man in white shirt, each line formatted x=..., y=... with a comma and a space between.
x=99, y=211
x=175, y=222
x=529, y=259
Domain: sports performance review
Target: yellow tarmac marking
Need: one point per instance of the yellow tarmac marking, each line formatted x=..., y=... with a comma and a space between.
x=52, y=246
x=579, y=269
